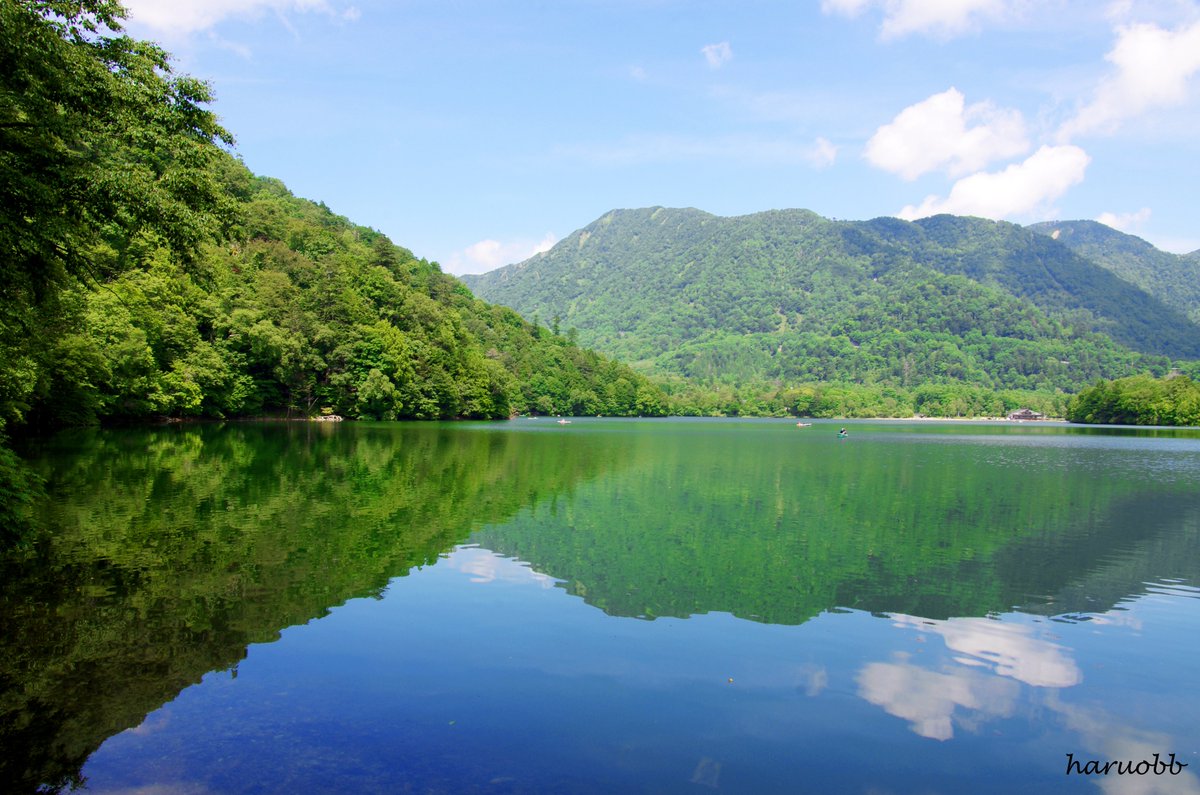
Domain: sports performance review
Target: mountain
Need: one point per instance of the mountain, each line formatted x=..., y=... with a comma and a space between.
x=788, y=295
x=1171, y=278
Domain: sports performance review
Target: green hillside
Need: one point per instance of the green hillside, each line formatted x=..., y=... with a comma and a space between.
x=148, y=273
x=1171, y=278
x=295, y=310
x=790, y=296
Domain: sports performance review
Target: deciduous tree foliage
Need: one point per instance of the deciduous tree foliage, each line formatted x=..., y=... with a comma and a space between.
x=148, y=273
x=1172, y=278
x=1139, y=400
x=100, y=143
x=297, y=311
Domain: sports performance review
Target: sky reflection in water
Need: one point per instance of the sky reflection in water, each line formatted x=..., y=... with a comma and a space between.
x=539, y=693
x=667, y=608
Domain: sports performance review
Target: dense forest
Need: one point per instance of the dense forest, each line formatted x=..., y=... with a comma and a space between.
x=297, y=311
x=1171, y=278
x=1139, y=400
x=790, y=298
x=148, y=273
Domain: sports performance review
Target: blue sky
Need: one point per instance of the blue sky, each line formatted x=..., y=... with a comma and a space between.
x=476, y=133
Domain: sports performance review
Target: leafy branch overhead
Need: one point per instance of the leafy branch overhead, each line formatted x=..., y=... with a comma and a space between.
x=99, y=141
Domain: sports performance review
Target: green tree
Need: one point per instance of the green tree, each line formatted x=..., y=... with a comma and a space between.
x=99, y=144
x=98, y=141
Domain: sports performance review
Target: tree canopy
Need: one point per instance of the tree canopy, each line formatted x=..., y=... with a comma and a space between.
x=99, y=141
x=100, y=144
x=149, y=273
x=1138, y=400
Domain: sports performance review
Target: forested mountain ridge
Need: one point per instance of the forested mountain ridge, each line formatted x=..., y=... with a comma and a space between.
x=297, y=310
x=790, y=296
x=1172, y=278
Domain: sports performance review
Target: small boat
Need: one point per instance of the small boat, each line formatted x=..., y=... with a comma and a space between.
x=803, y=424
x=564, y=422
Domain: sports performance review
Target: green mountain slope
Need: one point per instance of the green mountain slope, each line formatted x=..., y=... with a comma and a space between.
x=1171, y=278
x=147, y=273
x=295, y=310
x=789, y=295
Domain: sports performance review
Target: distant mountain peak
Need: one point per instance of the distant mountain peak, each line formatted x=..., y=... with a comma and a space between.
x=1172, y=278
x=788, y=295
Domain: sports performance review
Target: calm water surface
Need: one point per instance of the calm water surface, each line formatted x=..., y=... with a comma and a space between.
x=610, y=606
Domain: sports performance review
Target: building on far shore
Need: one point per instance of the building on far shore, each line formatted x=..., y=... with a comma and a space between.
x=1026, y=414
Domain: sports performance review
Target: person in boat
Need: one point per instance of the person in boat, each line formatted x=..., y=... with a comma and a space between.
x=842, y=434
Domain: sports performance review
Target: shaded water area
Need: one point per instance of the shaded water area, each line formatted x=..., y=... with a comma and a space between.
x=687, y=606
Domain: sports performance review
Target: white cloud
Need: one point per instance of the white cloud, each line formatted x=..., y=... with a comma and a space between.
x=931, y=700
x=928, y=700
x=181, y=18
x=939, y=18
x=813, y=678
x=822, y=154
x=942, y=133
x=1008, y=649
x=490, y=254
x=1153, y=68
x=1125, y=222
x=485, y=566
x=717, y=55
x=848, y=8
x=1018, y=190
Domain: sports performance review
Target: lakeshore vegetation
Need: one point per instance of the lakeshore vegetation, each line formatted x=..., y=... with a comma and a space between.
x=148, y=274
x=1138, y=400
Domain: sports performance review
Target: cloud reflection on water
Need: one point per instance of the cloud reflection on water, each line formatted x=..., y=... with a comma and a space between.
x=932, y=700
x=928, y=699
x=1008, y=649
x=486, y=566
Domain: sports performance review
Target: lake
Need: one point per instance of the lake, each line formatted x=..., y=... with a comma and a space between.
x=608, y=606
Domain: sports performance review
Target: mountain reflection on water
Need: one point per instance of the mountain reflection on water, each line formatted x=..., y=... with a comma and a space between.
x=167, y=553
